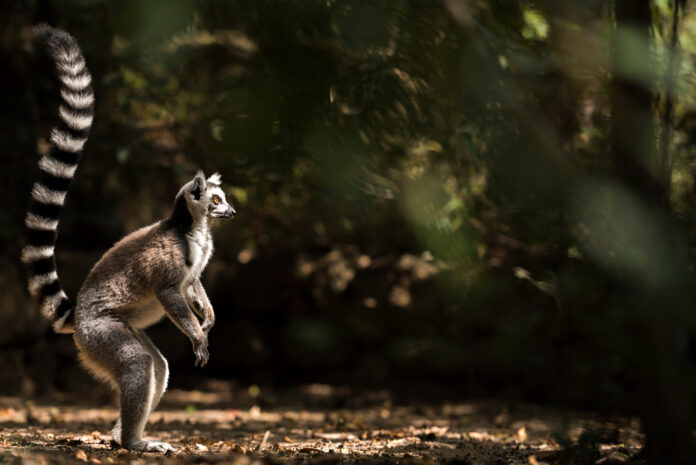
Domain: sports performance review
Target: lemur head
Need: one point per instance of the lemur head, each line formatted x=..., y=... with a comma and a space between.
x=206, y=198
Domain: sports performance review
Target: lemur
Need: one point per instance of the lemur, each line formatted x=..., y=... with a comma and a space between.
x=152, y=272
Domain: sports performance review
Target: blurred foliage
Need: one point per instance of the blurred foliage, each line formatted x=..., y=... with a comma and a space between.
x=497, y=193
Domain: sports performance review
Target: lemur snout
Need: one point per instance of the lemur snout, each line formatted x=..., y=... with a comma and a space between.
x=230, y=212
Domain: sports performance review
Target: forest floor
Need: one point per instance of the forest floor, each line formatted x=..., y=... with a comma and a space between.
x=316, y=424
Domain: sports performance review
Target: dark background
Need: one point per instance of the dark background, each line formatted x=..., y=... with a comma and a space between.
x=482, y=198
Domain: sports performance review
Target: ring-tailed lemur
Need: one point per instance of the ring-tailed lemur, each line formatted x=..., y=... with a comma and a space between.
x=152, y=272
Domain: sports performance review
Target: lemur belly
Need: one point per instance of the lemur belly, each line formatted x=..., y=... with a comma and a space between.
x=145, y=313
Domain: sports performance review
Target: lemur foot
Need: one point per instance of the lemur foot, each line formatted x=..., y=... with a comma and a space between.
x=116, y=432
x=150, y=446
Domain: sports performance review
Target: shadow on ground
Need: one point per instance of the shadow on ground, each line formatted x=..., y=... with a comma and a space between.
x=305, y=426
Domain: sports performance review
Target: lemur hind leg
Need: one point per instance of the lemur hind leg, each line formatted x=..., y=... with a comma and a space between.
x=161, y=368
x=161, y=379
x=114, y=351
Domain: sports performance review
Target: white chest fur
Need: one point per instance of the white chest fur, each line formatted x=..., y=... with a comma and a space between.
x=200, y=249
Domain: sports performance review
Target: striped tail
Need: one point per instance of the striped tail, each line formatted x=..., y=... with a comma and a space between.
x=57, y=169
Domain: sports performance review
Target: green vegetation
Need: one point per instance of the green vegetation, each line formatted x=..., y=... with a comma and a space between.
x=497, y=196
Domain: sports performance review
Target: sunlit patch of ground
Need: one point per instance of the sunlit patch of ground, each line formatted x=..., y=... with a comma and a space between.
x=215, y=427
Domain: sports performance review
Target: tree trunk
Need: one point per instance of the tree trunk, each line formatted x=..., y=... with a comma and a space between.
x=661, y=392
x=633, y=128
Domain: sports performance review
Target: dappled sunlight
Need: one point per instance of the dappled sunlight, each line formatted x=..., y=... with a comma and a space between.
x=446, y=209
x=440, y=432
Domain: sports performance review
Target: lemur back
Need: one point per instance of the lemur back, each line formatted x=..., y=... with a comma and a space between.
x=152, y=272
x=125, y=280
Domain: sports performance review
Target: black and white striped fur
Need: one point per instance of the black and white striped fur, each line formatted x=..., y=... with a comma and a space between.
x=57, y=169
x=152, y=272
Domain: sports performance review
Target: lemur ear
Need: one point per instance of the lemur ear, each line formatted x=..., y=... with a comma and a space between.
x=215, y=179
x=198, y=185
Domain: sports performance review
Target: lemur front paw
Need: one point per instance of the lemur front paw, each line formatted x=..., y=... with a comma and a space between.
x=200, y=348
x=150, y=446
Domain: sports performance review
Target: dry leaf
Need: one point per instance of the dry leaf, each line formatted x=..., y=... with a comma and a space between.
x=613, y=458
x=533, y=461
x=522, y=434
x=81, y=455
x=428, y=459
x=239, y=449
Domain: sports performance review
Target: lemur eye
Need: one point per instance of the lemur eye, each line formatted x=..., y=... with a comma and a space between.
x=216, y=200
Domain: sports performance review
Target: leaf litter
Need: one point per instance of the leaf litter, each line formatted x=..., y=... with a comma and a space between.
x=294, y=428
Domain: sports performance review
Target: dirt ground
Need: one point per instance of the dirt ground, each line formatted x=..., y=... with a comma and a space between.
x=316, y=424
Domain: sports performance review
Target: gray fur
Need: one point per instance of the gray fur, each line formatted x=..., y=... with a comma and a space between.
x=148, y=274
